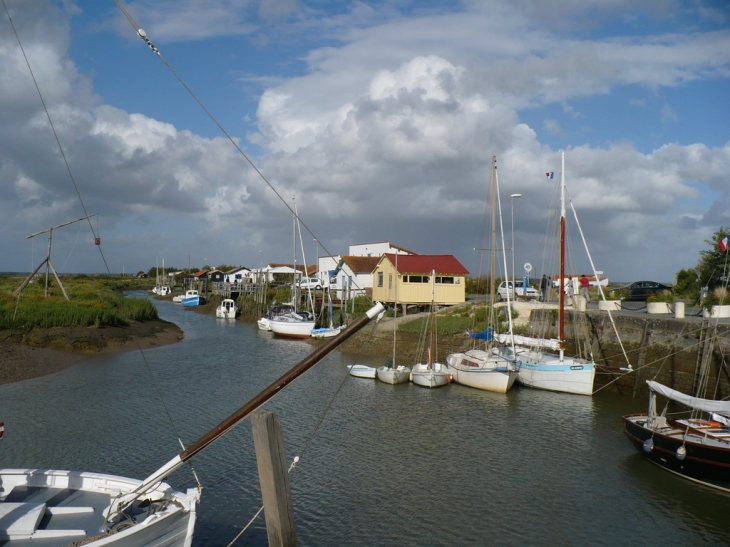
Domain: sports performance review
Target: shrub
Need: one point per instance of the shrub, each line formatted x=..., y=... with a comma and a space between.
x=717, y=297
x=662, y=296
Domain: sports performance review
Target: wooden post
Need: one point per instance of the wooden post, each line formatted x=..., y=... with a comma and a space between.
x=268, y=440
x=641, y=360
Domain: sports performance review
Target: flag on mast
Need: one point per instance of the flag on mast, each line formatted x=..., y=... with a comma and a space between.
x=550, y=175
x=724, y=243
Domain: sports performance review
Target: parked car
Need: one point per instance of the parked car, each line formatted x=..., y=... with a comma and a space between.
x=641, y=290
x=310, y=283
x=506, y=286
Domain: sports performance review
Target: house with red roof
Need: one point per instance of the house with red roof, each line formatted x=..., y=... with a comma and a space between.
x=411, y=277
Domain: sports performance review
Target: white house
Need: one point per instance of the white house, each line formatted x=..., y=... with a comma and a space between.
x=378, y=249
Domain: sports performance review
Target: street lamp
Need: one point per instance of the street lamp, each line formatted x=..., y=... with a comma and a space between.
x=512, y=207
x=317, y=242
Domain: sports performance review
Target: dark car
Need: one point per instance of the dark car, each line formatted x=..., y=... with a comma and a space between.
x=641, y=290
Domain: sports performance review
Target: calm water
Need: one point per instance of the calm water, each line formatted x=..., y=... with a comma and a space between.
x=389, y=465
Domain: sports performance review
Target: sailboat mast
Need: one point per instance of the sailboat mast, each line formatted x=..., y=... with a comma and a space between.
x=432, y=347
x=561, y=336
x=493, y=243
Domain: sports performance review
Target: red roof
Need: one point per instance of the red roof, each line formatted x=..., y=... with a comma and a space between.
x=422, y=264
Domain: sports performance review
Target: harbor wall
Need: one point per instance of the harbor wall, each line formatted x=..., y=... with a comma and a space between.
x=674, y=352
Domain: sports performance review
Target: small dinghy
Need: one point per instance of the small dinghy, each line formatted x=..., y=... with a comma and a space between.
x=363, y=371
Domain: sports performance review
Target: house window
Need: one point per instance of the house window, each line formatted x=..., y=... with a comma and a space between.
x=380, y=279
x=445, y=280
x=390, y=282
x=417, y=278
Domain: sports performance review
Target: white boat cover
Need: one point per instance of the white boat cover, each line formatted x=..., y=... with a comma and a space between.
x=706, y=405
x=506, y=338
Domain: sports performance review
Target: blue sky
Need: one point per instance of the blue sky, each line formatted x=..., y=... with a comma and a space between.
x=380, y=117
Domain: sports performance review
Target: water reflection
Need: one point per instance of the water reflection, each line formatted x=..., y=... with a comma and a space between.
x=387, y=465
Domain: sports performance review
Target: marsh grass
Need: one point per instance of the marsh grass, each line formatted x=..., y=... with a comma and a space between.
x=94, y=301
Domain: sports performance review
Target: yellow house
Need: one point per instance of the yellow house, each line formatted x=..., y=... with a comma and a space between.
x=412, y=279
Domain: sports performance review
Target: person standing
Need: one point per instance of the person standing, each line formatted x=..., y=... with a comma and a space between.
x=570, y=291
x=584, y=287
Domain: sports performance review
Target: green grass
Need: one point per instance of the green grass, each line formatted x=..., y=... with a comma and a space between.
x=94, y=301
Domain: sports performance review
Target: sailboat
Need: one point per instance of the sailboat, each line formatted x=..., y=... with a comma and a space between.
x=327, y=332
x=61, y=508
x=484, y=368
x=394, y=374
x=294, y=324
x=543, y=369
x=696, y=447
x=431, y=374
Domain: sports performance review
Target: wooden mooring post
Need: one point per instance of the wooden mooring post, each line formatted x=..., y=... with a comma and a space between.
x=268, y=439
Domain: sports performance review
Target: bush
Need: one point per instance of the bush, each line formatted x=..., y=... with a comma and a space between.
x=662, y=296
x=718, y=297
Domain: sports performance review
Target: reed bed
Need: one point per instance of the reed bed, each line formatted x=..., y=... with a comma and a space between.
x=94, y=301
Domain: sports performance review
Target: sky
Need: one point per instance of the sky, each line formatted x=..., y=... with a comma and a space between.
x=379, y=118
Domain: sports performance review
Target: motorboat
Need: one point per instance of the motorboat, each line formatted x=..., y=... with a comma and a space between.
x=192, y=298
x=227, y=309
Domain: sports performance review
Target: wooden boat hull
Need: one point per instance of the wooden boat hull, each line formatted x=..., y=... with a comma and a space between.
x=705, y=462
x=397, y=375
x=81, y=499
x=193, y=301
x=423, y=376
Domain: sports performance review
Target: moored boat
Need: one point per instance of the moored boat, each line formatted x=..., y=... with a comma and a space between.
x=431, y=374
x=192, y=298
x=292, y=325
x=696, y=448
x=227, y=309
x=362, y=371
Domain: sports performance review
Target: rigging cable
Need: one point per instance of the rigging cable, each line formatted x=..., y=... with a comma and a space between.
x=143, y=35
x=53, y=128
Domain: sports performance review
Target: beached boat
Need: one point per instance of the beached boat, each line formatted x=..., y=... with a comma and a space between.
x=484, y=368
x=192, y=298
x=227, y=309
x=696, y=447
x=292, y=325
x=51, y=508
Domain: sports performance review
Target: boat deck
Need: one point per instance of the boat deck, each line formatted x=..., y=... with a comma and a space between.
x=62, y=515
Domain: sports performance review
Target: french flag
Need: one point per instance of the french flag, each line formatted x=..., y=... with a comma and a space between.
x=724, y=243
x=550, y=175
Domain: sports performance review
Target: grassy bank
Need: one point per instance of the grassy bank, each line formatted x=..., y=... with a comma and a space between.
x=94, y=301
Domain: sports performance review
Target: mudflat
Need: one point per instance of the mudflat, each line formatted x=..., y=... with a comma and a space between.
x=37, y=352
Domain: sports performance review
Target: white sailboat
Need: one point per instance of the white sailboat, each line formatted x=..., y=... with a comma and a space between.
x=294, y=324
x=394, y=374
x=484, y=368
x=544, y=369
x=431, y=374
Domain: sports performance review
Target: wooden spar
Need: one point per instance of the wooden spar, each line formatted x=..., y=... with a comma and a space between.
x=561, y=335
x=493, y=245
x=257, y=401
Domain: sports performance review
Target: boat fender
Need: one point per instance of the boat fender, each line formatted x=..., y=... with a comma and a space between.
x=648, y=445
x=681, y=453
x=449, y=379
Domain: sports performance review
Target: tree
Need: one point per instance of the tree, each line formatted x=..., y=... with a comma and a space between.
x=713, y=262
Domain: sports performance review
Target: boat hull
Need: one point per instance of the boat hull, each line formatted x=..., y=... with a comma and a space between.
x=291, y=329
x=423, y=376
x=191, y=301
x=325, y=332
x=481, y=370
x=81, y=499
x=570, y=376
x=705, y=463
x=397, y=375
x=362, y=371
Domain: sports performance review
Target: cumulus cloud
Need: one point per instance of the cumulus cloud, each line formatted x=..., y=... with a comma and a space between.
x=387, y=136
